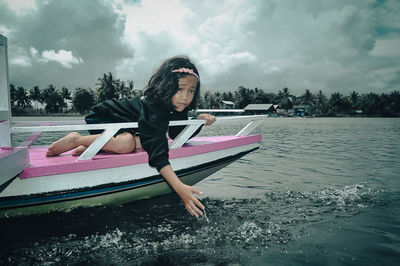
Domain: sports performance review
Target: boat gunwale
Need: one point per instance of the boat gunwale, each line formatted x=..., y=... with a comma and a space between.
x=62, y=196
x=116, y=160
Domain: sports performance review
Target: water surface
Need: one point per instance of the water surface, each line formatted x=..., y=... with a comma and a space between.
x=321, y=191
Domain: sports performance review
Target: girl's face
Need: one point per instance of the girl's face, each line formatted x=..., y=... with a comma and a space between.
x=185, y=93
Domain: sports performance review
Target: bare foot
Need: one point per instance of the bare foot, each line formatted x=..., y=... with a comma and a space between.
x=78, y=151
x=62, y=145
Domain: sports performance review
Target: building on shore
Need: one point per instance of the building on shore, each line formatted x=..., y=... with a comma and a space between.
x=302, y=110
x=260, y=109
x=226, y=105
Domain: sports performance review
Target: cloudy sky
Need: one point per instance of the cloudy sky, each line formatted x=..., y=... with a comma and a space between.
x=330, y=45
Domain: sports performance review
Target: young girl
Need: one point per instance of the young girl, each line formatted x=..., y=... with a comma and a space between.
x=171, y=92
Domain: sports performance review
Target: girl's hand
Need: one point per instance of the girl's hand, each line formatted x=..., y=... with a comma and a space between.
x=185, y=192
x=193, y=205
x=209, y=118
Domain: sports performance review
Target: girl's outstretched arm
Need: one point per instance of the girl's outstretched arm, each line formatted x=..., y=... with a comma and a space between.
x=185, y=192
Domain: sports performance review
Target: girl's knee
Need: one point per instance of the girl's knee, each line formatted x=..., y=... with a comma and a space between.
x=125, y=148
x=125, y=143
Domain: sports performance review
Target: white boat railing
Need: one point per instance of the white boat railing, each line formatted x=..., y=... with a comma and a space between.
x=40, y=126
x=220, y=111
x=5, y=106
x=111, y=128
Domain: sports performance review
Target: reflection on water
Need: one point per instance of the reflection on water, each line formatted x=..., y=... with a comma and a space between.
x=318, y=191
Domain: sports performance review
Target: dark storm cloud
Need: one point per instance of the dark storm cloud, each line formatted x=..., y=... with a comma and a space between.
x=330, y=45
x=6, y=15
x=89, y=32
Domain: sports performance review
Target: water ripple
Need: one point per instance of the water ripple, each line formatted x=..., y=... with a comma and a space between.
x=319, y=191
x=238, y=225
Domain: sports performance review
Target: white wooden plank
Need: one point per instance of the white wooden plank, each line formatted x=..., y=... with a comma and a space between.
x=13, y=163
x=5, y=107
x=220, y=121
x=73, y=127
x=5, y=140
x=184, y=136
x=99, y=143
x=249, y=128
x=16, y=129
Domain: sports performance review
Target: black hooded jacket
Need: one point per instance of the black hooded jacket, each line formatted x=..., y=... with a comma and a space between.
x=152, y=118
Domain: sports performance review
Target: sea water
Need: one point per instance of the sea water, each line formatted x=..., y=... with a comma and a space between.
x=320, y=191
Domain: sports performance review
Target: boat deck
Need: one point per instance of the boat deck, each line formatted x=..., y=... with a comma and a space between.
x=40, y=165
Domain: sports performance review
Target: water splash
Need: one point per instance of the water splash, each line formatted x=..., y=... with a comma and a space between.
x=204, y=217
x=153, y=234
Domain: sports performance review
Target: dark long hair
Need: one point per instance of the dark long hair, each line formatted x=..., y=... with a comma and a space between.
x=163, y=84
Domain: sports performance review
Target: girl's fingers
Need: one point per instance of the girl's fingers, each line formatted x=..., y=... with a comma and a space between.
x=198, y=203
x=189, y=209
x=195, y=191
x=208, y=118
x=192, y=204
x=211, y=120
x=195, y=209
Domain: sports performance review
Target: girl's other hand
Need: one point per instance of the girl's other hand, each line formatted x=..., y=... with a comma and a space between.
x=185, y=192
x=209, y=118
x=192, y=204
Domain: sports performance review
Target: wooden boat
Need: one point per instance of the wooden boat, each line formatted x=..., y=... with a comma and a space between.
x=32, y=183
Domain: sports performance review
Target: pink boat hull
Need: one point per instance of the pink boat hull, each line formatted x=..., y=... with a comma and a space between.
x=62, y=183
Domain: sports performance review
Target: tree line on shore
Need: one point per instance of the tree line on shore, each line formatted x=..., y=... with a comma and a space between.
x=53, y=100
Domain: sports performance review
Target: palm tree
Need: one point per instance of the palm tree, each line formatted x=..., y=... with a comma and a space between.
x=307, y=98
x=108, y=87
x=65, y=93
x=53, y=99
x=259, y=96
x=354, y=99
x=23, y=100
x=83, y=100
x=243, y=97
x=284, y=93
x=66, y=96
x=321, y=103
x=211, y=100
x=372, y=104
x=227, y=96
x=284, y=99
x=13, y=95
x=35, y=96
x=336, y=102
x=120, y=87
x=395, y=101
x=129, y=90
